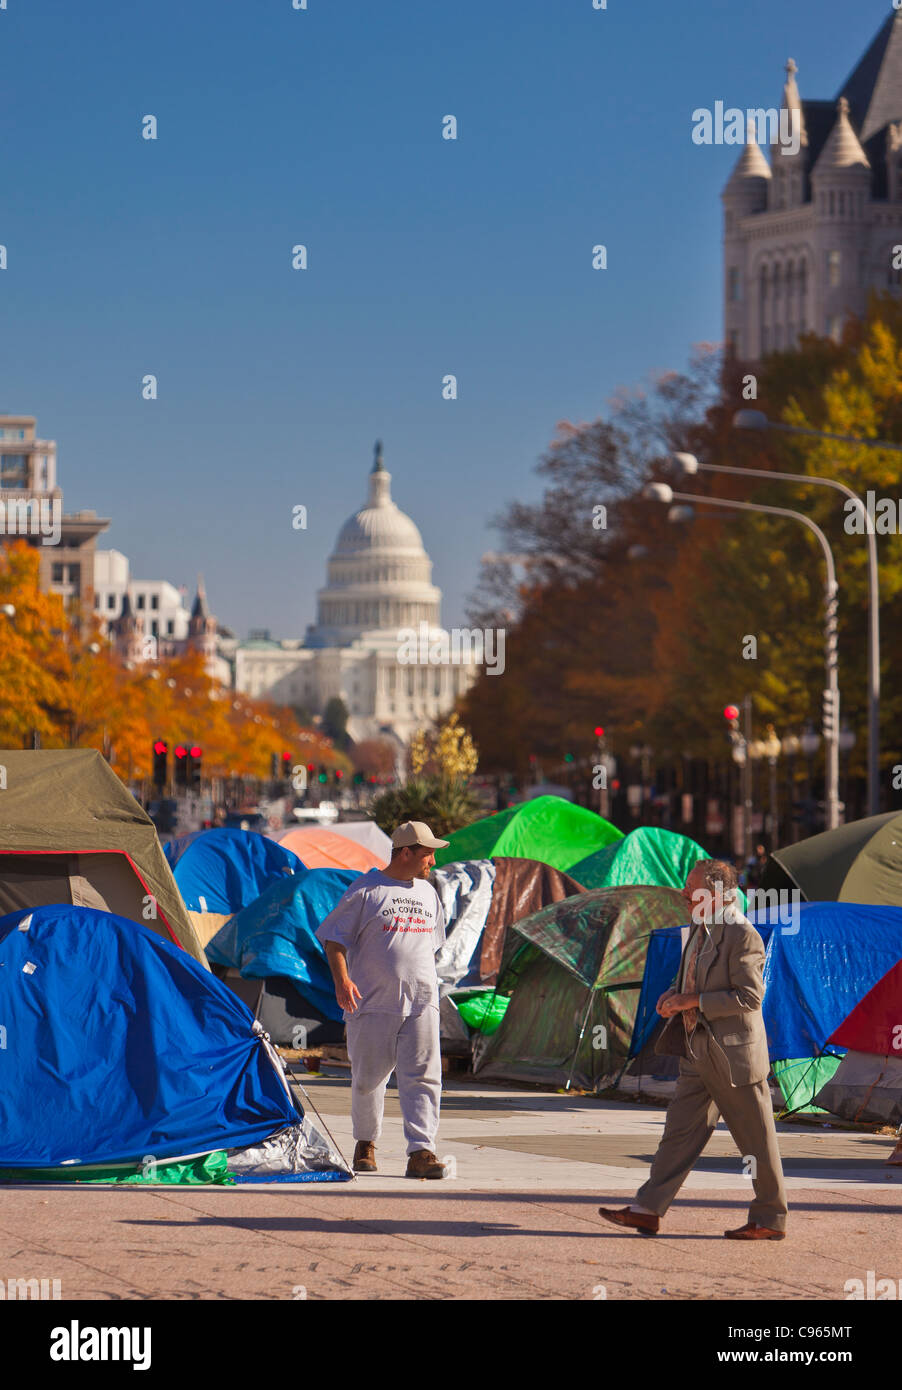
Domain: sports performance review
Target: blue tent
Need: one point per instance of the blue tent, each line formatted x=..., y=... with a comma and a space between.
x=224, y=870
x=120, y=1046
x=275, y=934
x=818, y=966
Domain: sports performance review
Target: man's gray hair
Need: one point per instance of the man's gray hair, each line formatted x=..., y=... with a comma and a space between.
x=717, y=873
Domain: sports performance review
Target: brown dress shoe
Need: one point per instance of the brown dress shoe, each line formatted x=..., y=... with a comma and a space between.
x=424, y=1164
x=646, y=1225
x=364, y=1156
x=751, y=1231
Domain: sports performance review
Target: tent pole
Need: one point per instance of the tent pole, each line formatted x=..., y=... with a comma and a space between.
x=579, y=1042
x=295, y=1082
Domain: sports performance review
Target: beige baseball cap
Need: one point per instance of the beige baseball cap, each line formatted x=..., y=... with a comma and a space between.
x=416, y=832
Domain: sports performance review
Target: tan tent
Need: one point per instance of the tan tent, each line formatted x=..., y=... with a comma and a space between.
x=70, y=832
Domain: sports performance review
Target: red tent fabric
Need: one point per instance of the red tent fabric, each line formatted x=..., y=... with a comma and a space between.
x=875, y=1024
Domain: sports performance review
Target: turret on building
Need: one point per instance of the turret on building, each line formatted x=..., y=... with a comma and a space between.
x=809, y=235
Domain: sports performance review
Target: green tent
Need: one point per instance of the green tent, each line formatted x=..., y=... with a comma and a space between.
x=647, y=855
x=548, y=829
x=573, y=972
x=70, y=832
x=857, y=863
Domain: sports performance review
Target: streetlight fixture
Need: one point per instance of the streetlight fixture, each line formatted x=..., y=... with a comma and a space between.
x=663, y=492
x=757, y=420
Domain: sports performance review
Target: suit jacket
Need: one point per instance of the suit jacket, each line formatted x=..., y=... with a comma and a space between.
x=730, y=981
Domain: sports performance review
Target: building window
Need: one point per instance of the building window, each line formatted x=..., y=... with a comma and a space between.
x=765, y=339
x=140, y=601
x=13, y=470
x=834, y=267
x=155, y=601
x=832, y=202
x=834, y=327
x=734, y=285
x=57, y=574
x=170, y=627
x=110, y=602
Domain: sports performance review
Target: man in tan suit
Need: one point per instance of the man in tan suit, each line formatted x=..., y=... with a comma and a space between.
x=716, y=1029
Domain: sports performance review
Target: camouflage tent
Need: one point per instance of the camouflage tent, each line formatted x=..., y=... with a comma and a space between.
x=574, y=971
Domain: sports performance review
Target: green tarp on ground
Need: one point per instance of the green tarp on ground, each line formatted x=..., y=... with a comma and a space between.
x=202, y=1171
x=647, y=855
x=573, y=972
x=548, y=829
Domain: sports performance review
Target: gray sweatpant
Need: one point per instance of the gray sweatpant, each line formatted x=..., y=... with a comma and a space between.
x=379, y=1044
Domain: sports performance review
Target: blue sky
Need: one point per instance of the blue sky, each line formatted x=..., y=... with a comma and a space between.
x=323, y=127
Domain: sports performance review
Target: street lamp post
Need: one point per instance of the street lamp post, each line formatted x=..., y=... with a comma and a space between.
x=757, y=420
x=663, y=492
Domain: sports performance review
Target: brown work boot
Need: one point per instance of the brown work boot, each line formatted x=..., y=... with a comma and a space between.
x=364, y=1156
x=424, y=1164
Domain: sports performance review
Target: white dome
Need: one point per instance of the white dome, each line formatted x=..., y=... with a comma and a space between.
x=378, y=576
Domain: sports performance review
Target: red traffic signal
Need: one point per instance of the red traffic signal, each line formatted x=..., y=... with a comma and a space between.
x=196, y=752
x=286, y=757
x=599, y=731
x=181, y=752
x=731, y=712
x=161, y=747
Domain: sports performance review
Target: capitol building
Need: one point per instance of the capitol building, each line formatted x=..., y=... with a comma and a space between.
x=378, y=583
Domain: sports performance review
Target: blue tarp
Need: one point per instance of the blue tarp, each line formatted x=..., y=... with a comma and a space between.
x=813, y=976
x=119, y=1045
x=275, y=935
x=224, y=870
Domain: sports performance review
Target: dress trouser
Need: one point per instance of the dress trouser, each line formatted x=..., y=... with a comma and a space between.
x=703, y=1092
x=379, y=1044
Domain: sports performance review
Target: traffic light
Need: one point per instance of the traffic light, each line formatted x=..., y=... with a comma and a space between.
x=338, y=774
x=181, y=765
x=599, y=731
x=359, y=779
x=731, y=715
x=287, y=761
x=273, y=765
x=323, y=774
x=195, y=766
x=160, y=763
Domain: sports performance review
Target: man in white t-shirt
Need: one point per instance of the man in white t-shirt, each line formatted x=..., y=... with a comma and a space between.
x=381, y=938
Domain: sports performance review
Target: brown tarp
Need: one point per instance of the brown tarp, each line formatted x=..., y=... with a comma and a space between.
x=522, y=886
x=71, y=832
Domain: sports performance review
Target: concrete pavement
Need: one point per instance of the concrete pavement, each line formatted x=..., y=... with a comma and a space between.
x=518, y=1221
